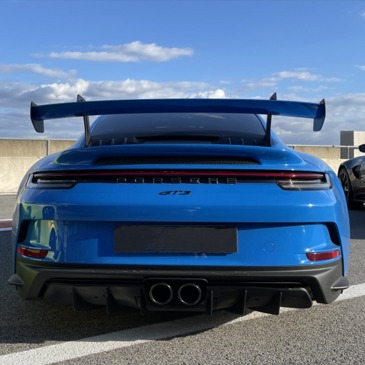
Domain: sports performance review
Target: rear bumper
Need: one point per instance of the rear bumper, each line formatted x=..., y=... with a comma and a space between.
x=180, y=288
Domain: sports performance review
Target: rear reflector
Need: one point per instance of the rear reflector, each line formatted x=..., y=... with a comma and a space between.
x=321, y=256
x=32, y=252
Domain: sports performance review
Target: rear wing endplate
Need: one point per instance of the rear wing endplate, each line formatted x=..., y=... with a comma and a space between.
x=82, y=108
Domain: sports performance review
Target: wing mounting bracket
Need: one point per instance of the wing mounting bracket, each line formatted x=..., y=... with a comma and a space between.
x=268, y=124
x=80, y=99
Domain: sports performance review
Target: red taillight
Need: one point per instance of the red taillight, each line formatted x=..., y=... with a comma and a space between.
x=321, y=256
x=253, y=174
x=32, y=252
x=287, y=180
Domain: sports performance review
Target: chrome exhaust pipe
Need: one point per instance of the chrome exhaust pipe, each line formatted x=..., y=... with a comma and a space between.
x=161, y=293
x=190, y=294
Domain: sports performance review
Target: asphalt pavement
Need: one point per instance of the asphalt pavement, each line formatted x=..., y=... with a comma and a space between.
x=7, y=202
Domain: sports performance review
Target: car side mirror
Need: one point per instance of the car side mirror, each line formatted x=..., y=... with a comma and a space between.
x=362, y=148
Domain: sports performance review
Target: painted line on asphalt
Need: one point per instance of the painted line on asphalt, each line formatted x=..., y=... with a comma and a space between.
x=126, y=338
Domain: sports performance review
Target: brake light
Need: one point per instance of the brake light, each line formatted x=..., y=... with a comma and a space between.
x=322, y=256
x=32, y=252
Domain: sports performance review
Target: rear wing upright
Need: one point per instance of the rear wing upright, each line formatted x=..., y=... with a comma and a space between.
x=82, y=108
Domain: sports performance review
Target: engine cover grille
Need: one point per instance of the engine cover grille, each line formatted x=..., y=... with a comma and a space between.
x=175, y=160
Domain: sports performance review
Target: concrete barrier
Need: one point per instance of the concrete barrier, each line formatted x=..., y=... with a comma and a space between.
x=18, y=155
x=329, y=154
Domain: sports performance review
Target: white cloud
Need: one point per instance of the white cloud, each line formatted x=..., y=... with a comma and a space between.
x=97, y=90
x=302, y=89
x=35, y=68
x=265, y=83
x=211, y=94
x=56, y=92
x=130, y=52
x=360, y=67
x=298, y=75
x=301, y=75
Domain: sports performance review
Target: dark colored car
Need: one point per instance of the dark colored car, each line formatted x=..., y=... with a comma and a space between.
x=181, y=205
x=352, y=176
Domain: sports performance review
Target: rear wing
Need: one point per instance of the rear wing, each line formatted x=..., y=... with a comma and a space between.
x=82, y=108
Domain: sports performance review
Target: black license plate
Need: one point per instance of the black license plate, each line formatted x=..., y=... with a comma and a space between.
x=136, y=238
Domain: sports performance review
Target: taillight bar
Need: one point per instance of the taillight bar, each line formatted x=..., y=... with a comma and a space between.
x=288, y=180
x=75, y=175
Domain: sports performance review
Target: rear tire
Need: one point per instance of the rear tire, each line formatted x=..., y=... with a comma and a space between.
x=347, y=189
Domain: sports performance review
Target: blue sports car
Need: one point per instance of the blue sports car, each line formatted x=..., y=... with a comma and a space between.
x=181, y=205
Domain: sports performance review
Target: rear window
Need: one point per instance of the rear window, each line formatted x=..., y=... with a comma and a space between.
x=230, y=128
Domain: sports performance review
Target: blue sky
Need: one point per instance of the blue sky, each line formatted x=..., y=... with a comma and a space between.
x=301, y=49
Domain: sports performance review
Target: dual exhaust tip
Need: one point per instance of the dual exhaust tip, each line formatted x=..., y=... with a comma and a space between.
x=162, y=293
